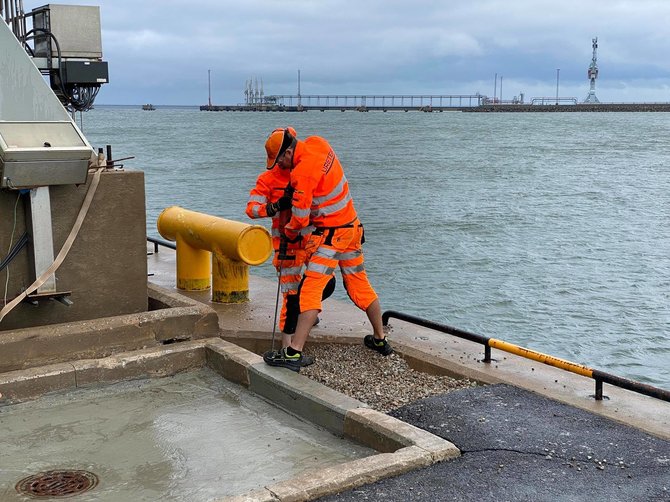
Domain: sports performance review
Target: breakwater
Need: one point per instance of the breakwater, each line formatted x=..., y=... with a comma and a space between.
x=497, y=108
x=581, y=107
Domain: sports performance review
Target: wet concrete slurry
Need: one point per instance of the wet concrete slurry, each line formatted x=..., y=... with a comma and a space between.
x=519, y=446
x=191, y=437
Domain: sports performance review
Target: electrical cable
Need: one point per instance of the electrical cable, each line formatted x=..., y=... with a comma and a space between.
x=79, y=98
x=11, y=243
x=67, y=245
x=20, y=244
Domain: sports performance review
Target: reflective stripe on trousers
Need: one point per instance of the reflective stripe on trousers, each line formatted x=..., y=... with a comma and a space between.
x=336, y=247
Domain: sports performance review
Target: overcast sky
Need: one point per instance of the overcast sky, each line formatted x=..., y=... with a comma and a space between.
x=160, y=51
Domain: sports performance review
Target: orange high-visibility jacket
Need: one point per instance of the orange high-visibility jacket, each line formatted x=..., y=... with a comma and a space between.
x=321, y=197
x=269, y=187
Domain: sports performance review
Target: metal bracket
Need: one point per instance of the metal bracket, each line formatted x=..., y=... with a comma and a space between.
x=60, y=296
x=42, y=236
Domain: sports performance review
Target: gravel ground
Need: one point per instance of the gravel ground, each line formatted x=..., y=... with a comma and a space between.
x=383, y=383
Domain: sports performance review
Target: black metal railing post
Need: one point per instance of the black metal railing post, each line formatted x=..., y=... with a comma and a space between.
x=161, y=242
x=599, y=376
x=599, y=389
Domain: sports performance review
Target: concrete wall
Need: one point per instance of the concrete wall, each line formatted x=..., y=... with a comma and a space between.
x=106, y=269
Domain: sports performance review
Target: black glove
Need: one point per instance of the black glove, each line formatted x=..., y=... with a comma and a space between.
x=271, y=208
x=284, y=203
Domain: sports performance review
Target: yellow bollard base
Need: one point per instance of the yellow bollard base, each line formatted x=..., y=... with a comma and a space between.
x=230, y=296
x=193, y=284
x=230, y=280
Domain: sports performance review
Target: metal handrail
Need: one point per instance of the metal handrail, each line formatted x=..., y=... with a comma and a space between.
x=161, y=242
x=600, y=377
x=551, y=101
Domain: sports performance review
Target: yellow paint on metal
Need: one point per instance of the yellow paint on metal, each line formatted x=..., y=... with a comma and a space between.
x=543, y=358
x=254, y=245
x=239, y=241
x=210, y=248
x=230, y=280
x=193, y=284
x=194, y=267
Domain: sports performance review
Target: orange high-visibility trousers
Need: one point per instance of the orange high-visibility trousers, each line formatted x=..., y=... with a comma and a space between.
x=326, y=250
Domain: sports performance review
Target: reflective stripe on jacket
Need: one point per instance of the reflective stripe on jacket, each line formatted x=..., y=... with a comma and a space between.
x=321, y=197
x=269, y=187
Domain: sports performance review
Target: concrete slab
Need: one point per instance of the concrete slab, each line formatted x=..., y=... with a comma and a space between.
x=301, y=396
x=386, y=433
x=173, y=318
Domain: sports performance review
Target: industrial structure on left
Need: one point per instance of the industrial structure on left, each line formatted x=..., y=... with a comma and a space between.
x=72, y=225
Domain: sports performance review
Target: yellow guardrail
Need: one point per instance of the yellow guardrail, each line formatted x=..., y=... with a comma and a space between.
x=599, y=376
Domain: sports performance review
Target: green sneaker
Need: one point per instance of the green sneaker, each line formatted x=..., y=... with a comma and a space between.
x=305, y=361
x=381, y=346
x=283, y=360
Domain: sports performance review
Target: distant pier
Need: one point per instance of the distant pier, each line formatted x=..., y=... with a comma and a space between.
x=426, y=103
x=360, y=103
x=341, y=108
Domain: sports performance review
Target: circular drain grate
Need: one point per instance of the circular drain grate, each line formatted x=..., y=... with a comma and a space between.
x=58, y=483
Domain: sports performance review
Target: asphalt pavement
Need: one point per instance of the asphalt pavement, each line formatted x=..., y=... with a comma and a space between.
x=519, y=446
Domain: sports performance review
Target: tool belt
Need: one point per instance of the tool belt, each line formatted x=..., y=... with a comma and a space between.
x=330, y=231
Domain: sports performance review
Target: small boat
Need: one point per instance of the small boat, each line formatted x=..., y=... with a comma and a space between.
x=149, y=107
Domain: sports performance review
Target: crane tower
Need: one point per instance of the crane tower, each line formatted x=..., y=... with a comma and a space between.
x=593, y=74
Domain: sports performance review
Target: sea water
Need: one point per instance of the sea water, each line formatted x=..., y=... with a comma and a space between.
x=547, y=230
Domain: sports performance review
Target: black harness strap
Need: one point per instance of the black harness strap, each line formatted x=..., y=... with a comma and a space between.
x=330, y=231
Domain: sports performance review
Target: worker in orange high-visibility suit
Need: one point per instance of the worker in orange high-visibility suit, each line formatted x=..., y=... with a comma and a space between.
x=270, y=197
x=321, y=200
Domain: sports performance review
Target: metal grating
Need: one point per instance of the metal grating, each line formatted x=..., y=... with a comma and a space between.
x=57, y=483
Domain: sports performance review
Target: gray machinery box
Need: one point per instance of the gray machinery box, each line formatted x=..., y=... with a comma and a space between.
x=75, y=27
x=41, y=154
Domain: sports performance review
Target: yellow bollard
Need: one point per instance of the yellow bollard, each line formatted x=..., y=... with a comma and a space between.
x=194, y=266
x=209, y=246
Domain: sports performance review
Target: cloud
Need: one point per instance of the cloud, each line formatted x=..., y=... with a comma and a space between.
x=379, y=46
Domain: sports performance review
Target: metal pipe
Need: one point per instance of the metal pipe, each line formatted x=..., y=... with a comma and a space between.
x=597, y=375
x=160, y=242
x=540, y=357
x=216, y=248
x=473, y=337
